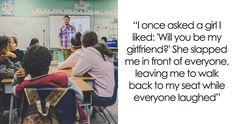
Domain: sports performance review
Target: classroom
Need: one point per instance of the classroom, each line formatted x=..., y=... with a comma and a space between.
x=58, y=61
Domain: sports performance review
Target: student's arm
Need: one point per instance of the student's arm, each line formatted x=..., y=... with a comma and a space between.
x=8, y=69
x=15, y=82
x=83, y=65
x=70, y=62
x=15, y=66
x=78, y=92
x=5, y=72
x=10, y=55
x=18, y=78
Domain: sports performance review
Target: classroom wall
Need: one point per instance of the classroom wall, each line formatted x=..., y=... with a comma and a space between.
x=24, y=7
x=103, y=25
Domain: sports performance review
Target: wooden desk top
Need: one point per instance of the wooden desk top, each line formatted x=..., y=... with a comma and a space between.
x=79, y=81
x=69, y=72
x=6, y=80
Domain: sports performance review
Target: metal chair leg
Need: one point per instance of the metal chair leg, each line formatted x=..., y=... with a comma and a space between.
x=114, y=120
x=11, y=109
x=102, y=114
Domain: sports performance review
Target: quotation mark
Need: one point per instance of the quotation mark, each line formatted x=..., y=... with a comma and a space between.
x=135, y=22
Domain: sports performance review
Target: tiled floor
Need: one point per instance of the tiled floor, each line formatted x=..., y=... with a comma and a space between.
x=4, y=119
x=114, y=111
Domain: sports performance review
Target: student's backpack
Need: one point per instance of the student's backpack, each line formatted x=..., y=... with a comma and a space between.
x=39, y=112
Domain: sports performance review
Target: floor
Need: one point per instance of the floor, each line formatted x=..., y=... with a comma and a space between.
x=114, y=111
x=96, y=120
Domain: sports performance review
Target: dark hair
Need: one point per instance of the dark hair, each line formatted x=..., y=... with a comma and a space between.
x=105, y=39
x=15, y=40
x=4, y=41
x=78, y=36
x=33, y=41
x=75, y=41
x=37, y=60
x=66, y=16
x=90, y=39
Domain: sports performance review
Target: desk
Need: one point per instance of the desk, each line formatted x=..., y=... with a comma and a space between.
x=83, y=84
x=7, y=85
x=79, y=82
x=6, y=81
x=8, y=90
x=88, y=79
x=69, y=73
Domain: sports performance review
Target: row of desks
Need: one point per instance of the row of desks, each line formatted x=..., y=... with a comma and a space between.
x=80, y=82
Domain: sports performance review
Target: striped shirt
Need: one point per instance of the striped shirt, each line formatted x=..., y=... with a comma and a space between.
x=65, y=34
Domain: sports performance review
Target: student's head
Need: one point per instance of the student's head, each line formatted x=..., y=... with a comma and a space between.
x=104, y=39
x=89, y=38
x=34, y=41
x=4, y=46
x=16, y=41
x=66, y=20
x=12, y=44
x=75, y=42
x=37, y=60
x=78, y=36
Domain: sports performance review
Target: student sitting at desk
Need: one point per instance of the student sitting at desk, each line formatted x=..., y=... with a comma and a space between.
x=7, y=68
x=36, y=61
x=104, y=40
x=96, y=60
x=19, y=53
x=74, y=57
x=15, y=55
x=34, y=41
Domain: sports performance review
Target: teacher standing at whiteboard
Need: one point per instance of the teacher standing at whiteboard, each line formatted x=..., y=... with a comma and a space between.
x=67, y=31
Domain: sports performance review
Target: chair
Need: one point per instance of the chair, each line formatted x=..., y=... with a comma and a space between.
x=66, y=108
x=4, y=105
x=101, y=109
x=5, y=100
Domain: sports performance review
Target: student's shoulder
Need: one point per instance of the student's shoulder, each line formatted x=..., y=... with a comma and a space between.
x=87, y=52
x=79, y=51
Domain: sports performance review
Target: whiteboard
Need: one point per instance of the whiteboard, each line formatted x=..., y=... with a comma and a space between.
x=26, y=28
x=81, y=23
